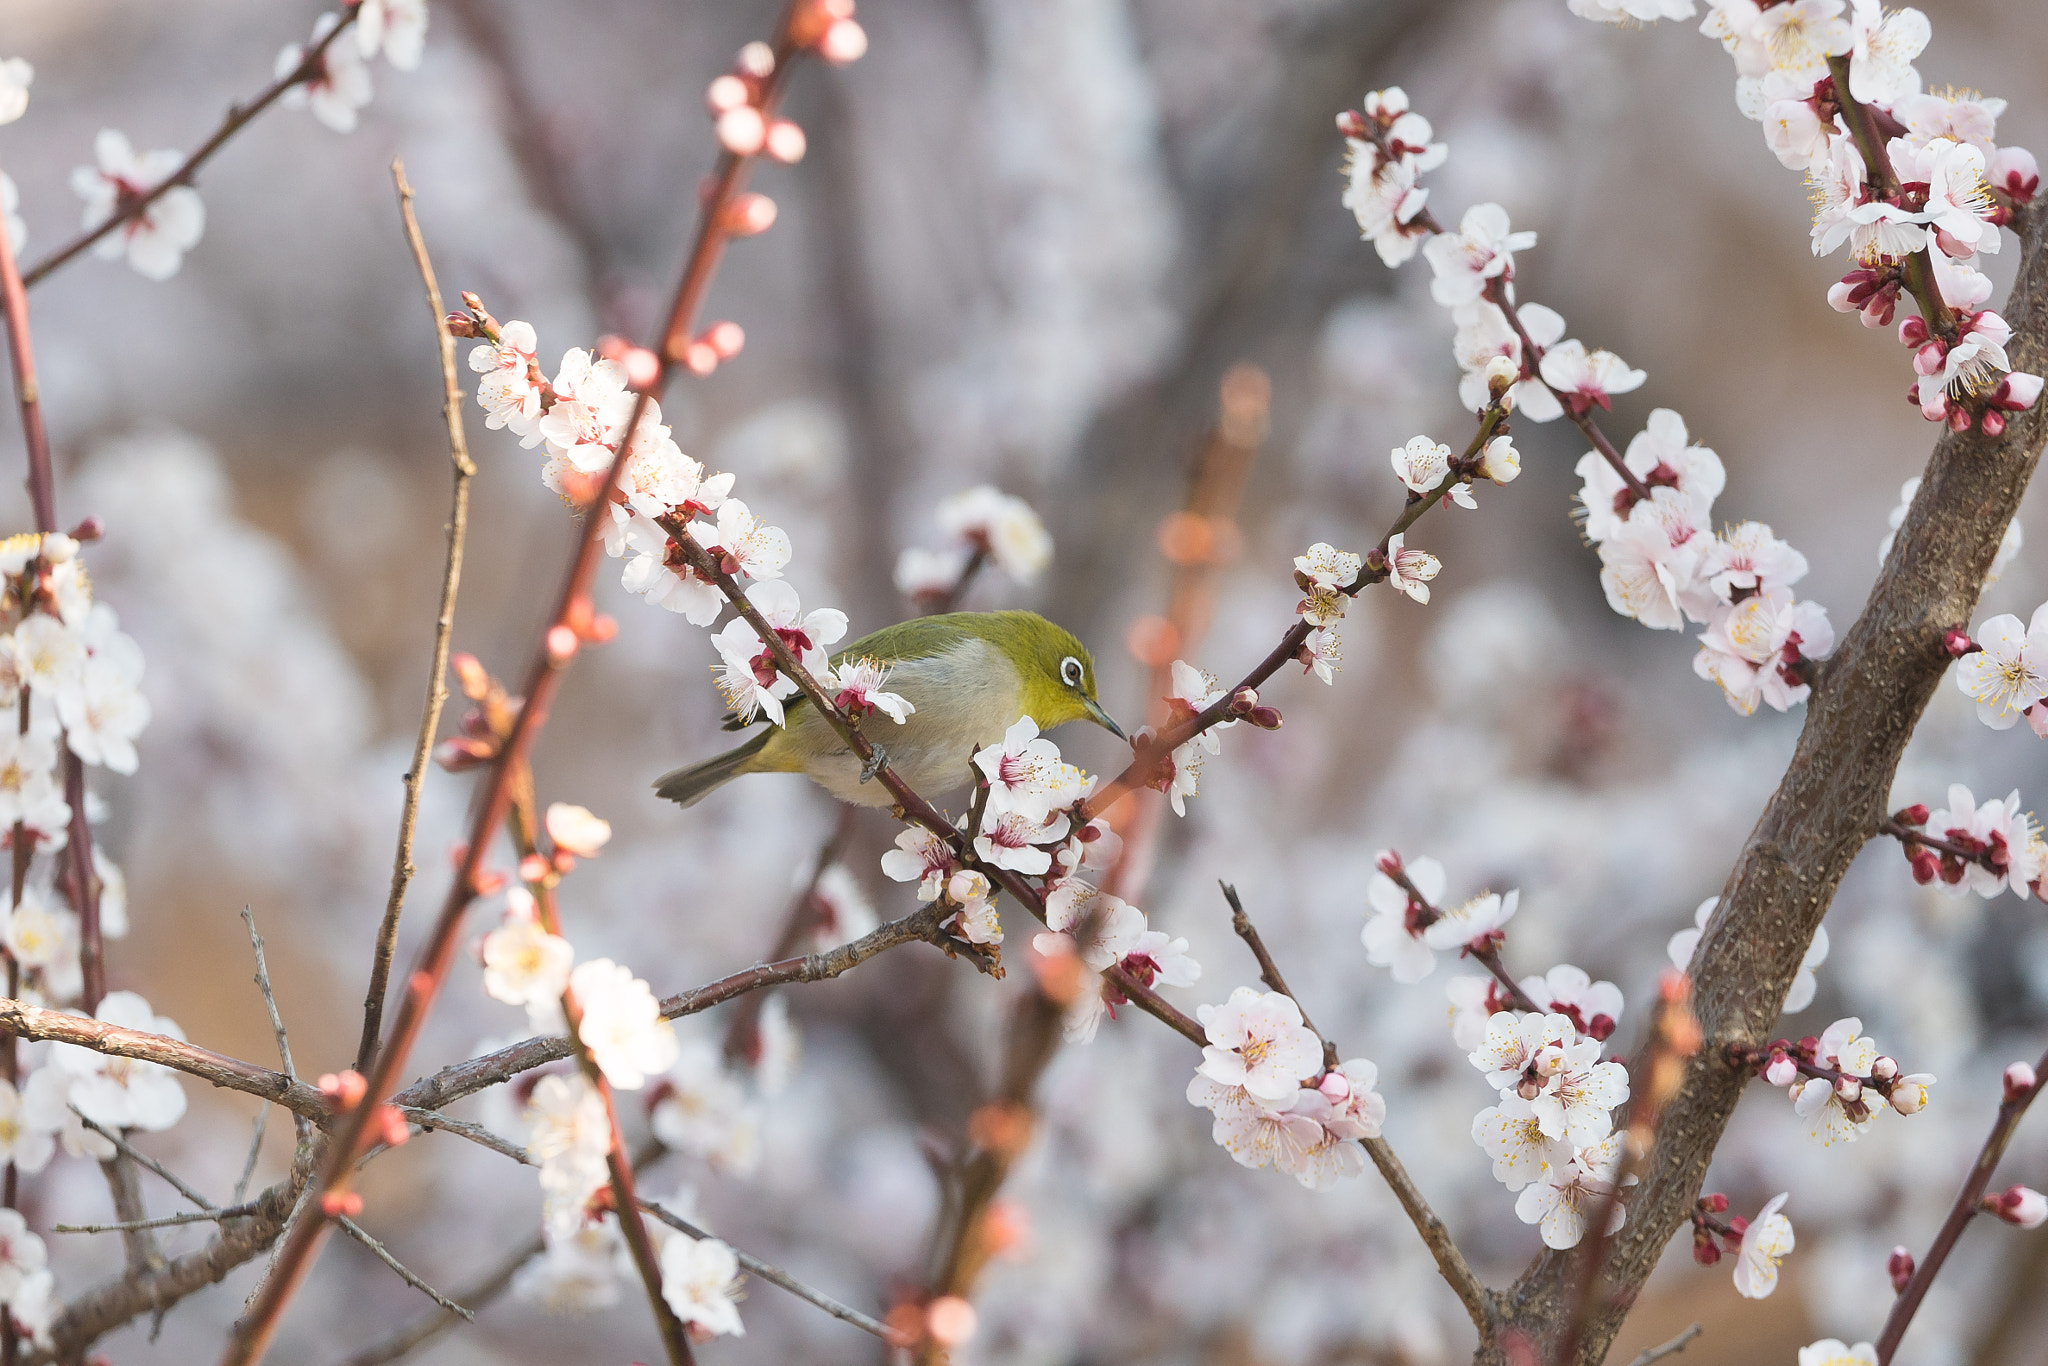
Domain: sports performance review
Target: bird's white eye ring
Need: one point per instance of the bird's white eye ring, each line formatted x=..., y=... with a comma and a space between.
x=1070, y=669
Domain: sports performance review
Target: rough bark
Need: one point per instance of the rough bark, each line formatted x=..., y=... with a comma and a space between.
x=1827, y=805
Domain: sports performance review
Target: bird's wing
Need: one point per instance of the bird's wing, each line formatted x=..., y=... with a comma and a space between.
x=906, y=641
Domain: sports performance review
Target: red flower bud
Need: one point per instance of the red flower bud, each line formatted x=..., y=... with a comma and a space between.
x=341, y=1204
x=1916, y=814
x=1900, y=1265
x=1714, y=1203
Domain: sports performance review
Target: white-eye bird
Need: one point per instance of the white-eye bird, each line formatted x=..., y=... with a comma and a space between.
x=969, y=675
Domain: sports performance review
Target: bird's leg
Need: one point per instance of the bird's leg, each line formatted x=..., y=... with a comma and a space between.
x=875, y=764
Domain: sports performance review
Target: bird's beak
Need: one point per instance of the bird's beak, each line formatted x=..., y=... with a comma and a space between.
x=1103, y=719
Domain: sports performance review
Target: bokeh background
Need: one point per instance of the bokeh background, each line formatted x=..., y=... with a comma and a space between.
x=1030, y=238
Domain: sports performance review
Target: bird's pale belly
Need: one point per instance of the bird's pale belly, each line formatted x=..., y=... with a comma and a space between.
x=965, y=698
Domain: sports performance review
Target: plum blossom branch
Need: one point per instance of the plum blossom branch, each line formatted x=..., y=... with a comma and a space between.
x=2022, y=1084
x=569, y=626
x=1650, y=1355
x=239, y=116
x=402, y=867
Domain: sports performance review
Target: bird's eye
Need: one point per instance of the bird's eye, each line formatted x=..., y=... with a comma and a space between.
x=1070, y=669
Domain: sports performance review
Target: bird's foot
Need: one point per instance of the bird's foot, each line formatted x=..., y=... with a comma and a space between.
x=874, y=765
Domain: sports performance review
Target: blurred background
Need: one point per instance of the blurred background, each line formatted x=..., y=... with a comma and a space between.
x=1029, y=241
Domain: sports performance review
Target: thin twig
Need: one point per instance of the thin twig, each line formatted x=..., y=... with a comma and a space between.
x=238, y=117
x=134, y=1154
x=1671, y=1348
x=406, y=1274
x=284, y=1045
x=433, y=1121
x=1269, y=971
x=428, y=1326
x=255, y=1151
x=402, y=867
x=201, y=1216
x=776, y=1276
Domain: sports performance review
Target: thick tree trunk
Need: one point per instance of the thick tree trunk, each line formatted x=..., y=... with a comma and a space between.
x=1827, y=805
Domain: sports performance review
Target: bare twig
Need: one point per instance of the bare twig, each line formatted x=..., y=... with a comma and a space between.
x=433, y=1121
x=1678, y=1344
x=201, y=1216
x=774, y=1275
x=238, y=117
x=255, y=1151
x=141, y=1158
x=427, y=1326
x=404, y=1273
x=284, y=1045
x=402, y=867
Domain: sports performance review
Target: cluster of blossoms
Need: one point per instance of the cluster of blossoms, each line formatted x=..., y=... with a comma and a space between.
x=618, y=1022
x=1551, y=1136
x=1194, y=691
x=981, y=524
x=16, y=74
x=1913, y=181
x=1275, y=1103
x=1839, y=1082
x=1968, y=846
x=1648, y=511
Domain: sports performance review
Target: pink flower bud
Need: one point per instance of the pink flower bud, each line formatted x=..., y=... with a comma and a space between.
x=532, y=868
x=1912, y=332
x=786, y=142
x=1992, y=423
x=700, y=358
x=1927, y=360
x=1706, y=1253
x=2019, y=1080
x=1388, y=862
x=1958, y=644
x=1838, y=296
x=344, y=1090
x=1335, y=1086
x=562, y=645
x=1884, y=1069
x=1850, y=1089
x=726, y=93
x=756, y=59
x=2015, y=393
x=341, y=1204
x=1901, y=1268
x=1926, y=866
x=750, y=215
x=2012, y=170
x=844, y=42
x=1959, y=419
x=2021, y=1205
x=1351, y=124
x=1714, y=1203
x=726, y=338
x=392, y=1130
x=1782, y=1071
x=742, y=130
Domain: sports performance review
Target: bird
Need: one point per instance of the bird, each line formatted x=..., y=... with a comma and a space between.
x=970, y=676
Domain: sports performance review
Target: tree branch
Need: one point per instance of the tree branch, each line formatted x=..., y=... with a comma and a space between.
x=402, y=868
x=1833, y=795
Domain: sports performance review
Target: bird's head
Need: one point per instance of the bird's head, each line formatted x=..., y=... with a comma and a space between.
x=1056, y=670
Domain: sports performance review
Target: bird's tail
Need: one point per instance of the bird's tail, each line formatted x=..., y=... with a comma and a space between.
x=687, y=786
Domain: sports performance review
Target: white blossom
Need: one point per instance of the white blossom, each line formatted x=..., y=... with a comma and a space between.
x=26, y=1144
x=1485, y=334
x=155, y=240
x=16, y=74
x=621, y=1025
x=921, y=857
x=524, y=965
x=398, y=28
x=1835, y=1352
x=1567, y=1196
x=569, y=1134
x=1026, y=775
x=1004, y=526
x=1257, y=1041
x=1393, y=937
x=1410, y=571
x=2010, y=672
x=700, y=1281
x=341, y=86
x=1482, y=249
x=1583, y=380
x=1882, y=52
x=1764, y=1244
x=1013, y=840
x=856, y=686
x=701, y=1108
x=1510, y=1134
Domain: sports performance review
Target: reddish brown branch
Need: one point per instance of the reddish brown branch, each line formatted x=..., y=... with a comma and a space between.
x=351, y=1135
x=2010, y=1110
